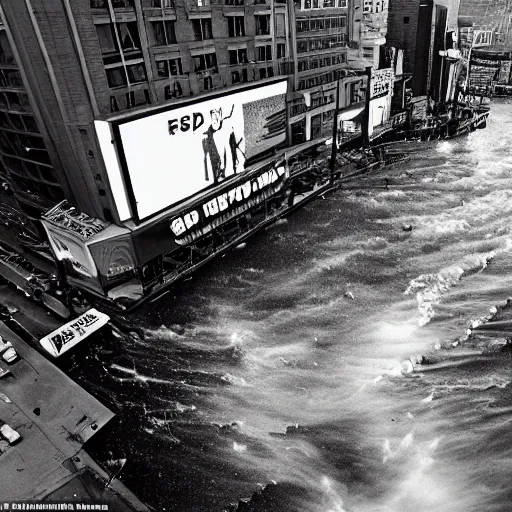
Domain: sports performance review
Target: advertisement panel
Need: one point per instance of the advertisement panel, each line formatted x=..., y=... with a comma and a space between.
x=66, y=337
x=173, y=155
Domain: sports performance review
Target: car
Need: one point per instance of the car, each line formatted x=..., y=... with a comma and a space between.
x=7, y=351
x=8, y=433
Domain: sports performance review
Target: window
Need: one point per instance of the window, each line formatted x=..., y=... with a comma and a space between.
x=262, y=24
x=303, y=26
x=175, y=67
x=329, y=3
x=267, y=72
x=281, y=50
x=136, y=73
x=205, y=62
x=236, y=26
x=173, y=92
x=264, y=53
x=233, y=2
x=162, y=68
x=207, y=83
x=342, y=3
x=238, y=77
x=354, y=93
x=164, y=33
x=6, y=55
x=163, y=3
x=238, y=56
x=202, y=29
x=98, y=4
x=168, y=68
x=122, y=4
x=307, y=4
x=116, y=77
x=113, y=104
x=106, y=38
x=129, y=35
x=406, y=20
x=368, y=52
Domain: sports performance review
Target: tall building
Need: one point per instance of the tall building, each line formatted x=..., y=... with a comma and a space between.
x=335, y=40
x=422, y=29
x=164, y=123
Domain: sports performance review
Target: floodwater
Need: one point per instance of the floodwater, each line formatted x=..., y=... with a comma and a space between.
x=276, y=373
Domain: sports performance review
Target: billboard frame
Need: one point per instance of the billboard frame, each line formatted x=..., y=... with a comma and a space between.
x=117, y=121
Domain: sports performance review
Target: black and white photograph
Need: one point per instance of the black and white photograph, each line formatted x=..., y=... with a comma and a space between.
x=256, y=255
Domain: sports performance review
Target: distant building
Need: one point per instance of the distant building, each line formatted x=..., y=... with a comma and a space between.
x=422, y=29
x=334, y=40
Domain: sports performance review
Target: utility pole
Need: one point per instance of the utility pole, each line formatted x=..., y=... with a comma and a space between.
x=335, y=133
x=366, y=120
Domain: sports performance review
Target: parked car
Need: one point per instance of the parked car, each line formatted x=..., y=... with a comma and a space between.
x=7, y=351
x=8, y=433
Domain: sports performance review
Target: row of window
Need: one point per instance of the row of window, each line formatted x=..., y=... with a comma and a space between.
x=327, y=60
x=316, y=80
x=168, y=4
x=19, y=122
x=26, y=168
x=132, y=99
x=116, y=76
x=164, y=32
x=39, y=193
x=312, y=24
x=322, y=43
x=320, y=4
x=14, y=101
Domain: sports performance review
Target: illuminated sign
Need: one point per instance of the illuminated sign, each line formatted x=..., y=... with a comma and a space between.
x=172, y=155
x=72, y=333
x=218, y=209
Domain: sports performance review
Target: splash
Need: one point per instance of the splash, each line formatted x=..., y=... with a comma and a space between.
x=430, y=288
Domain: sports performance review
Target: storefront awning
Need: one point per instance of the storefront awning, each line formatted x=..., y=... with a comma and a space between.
x=350, y=112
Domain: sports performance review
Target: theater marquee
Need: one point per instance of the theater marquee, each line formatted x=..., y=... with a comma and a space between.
x=226, y=204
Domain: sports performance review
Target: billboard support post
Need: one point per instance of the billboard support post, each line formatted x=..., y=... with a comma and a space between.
x=334, y=134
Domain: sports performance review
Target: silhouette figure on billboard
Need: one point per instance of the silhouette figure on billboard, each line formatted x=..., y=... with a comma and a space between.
x=221, y=147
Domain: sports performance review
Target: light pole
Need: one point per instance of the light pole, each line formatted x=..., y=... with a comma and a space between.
x=334, y=133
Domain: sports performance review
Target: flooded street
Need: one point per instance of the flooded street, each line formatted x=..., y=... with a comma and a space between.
x=280, y=365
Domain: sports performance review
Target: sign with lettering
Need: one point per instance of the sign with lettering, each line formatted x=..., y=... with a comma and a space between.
x=382, y=82
x=66, y=337
x=192, y=146
x=218, y=209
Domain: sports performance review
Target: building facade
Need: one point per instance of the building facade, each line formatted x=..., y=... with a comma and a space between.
x=422, y=29
x=79, y=74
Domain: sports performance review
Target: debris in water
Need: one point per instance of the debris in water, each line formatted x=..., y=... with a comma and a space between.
x=407, y=227
x=241, y=246
x=349, y=295
x=239, y=447
x=407, y=366
x=429, y=398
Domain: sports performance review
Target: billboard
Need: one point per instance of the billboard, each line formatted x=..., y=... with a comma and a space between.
x=174, y=154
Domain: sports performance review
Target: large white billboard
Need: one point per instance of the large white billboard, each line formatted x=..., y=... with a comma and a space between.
x=173, y=155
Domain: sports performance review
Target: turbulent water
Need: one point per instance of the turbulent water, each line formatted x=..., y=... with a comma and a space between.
x=281, y=365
